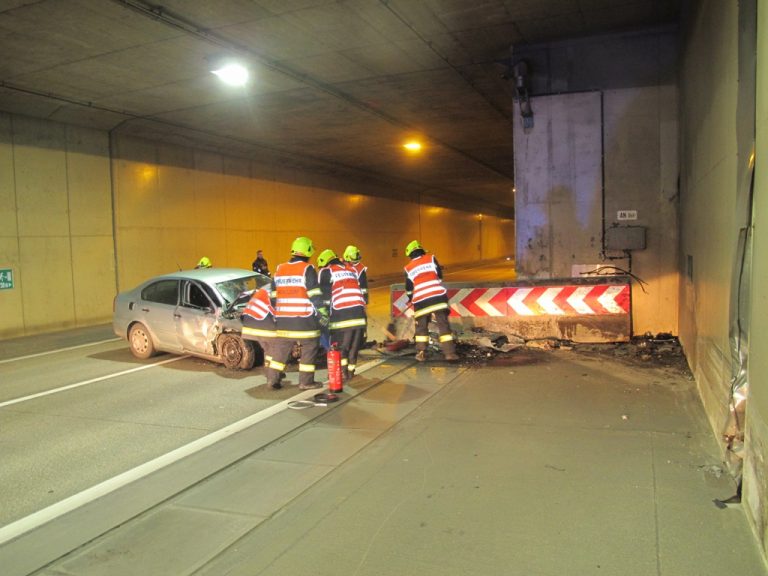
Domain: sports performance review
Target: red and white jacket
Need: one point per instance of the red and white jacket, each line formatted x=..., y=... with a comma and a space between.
x=423, y=274
x=291, y=291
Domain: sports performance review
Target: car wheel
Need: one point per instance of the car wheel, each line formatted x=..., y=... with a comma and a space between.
x=141, y=341
x=249, y=355
x=235, y=353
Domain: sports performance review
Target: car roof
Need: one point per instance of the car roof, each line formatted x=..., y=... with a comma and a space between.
x=209, y=274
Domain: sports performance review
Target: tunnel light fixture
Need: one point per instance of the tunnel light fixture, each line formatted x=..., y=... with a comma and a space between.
x=413, y=146
x=232, y=74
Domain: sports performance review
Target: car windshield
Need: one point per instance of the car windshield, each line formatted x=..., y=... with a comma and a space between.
x=231, y=289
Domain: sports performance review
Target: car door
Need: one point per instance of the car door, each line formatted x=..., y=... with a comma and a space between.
x=156, y=311
x=196, y=319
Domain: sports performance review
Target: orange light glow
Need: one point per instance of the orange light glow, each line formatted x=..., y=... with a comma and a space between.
x=412, y=146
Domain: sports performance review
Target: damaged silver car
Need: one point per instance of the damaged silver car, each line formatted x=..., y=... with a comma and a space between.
x=193, y=312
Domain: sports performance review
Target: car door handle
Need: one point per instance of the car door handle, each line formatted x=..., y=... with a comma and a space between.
x=145, y=309
x=177, y=315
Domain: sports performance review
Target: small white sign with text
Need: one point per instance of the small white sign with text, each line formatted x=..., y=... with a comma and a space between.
x=626, y=215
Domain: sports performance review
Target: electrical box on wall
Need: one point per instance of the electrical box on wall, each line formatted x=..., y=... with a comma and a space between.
x=625, y=238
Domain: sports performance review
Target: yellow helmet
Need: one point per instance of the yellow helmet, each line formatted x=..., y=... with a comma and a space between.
x=325, y=256
x=352, y=254
x=204, y=262
x=302, y=246
x=413, y=245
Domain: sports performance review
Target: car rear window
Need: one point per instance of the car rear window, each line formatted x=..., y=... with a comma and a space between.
x=162, y=292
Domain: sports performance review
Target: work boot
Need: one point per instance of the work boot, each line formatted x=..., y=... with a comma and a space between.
x=421, y=355
x=310, y=386
x=345, y=376
x=275, y=385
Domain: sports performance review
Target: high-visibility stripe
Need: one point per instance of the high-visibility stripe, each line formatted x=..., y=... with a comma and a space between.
x=351, y=367
x=446, y=337
x=314, y=292
x=306, y=367
x=277, y=365
x=422, y=338
x=258, y=332
x=298, y=334
x=344, y=362
x=292, y=296
x=347, y=323
x=430, y=309
x=423, y=272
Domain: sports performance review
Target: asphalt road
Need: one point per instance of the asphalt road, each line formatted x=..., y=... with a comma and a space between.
x=76, y=414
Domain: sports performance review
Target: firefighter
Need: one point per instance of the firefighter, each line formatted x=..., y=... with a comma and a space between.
x=299, y=313
x=352, y=258
x=204, y=262
x=258, y=320
x=425, y=291
x=344, y=298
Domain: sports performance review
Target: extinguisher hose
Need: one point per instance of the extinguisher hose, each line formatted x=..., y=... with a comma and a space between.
x=321, y=399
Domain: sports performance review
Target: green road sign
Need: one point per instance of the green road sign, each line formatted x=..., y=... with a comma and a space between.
x=6, y=279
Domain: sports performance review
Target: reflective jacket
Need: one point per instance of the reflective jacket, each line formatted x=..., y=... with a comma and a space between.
x=259, y=316
x=296, y=297
x=424, y=286
x=291, y=293
x=362, y=277
x=342, y=293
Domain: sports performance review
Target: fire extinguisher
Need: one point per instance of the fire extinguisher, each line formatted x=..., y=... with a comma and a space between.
x=334, y=369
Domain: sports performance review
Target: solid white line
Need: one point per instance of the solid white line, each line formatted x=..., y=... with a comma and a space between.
x=91, y=381
x=19, y=527
x=58, y=350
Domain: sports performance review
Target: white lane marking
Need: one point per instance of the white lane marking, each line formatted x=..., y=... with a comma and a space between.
x=58, y=350
x=23, y=525
x=91, y=381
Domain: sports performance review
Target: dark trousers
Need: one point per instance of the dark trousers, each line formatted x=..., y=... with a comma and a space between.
x=281, y=351
x=447, y=343
x=349, y=341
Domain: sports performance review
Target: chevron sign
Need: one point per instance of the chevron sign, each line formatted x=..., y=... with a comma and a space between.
x=564, y=300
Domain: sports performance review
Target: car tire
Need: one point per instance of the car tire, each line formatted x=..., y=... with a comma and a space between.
x=140, y=341
x=249, y=356
x=235, y=353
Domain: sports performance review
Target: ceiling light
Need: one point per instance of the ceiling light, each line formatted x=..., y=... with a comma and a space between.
x=412, y=146
x=232, y=74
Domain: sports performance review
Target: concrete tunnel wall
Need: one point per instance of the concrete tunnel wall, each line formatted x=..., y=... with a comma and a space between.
x=604, y=139
x=72, y=244
x=711, y=171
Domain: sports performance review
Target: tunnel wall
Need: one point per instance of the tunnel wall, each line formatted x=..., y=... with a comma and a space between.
x=604, y=140
x=55, y=226
x=713, y=165
x=186, y=203
x=62, y=229
x=756, y=464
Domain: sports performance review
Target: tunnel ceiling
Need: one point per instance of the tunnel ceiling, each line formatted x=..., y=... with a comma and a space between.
x=337, y=86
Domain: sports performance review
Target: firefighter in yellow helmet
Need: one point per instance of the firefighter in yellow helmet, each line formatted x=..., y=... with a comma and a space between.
x=345, y=301
x=425, y=291
x=299, y=311
x=353, y=259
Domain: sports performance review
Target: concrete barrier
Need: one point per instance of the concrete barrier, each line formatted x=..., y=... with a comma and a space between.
x=592, y=309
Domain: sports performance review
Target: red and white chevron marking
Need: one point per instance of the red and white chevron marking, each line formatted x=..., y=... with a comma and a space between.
x=565, y=300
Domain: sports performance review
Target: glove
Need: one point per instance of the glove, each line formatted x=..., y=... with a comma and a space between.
x=323, y=317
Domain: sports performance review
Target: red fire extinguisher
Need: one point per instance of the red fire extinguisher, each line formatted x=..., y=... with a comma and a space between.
x=334, y=369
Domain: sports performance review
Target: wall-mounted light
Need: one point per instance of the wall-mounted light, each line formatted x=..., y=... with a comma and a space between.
x=232, y=74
